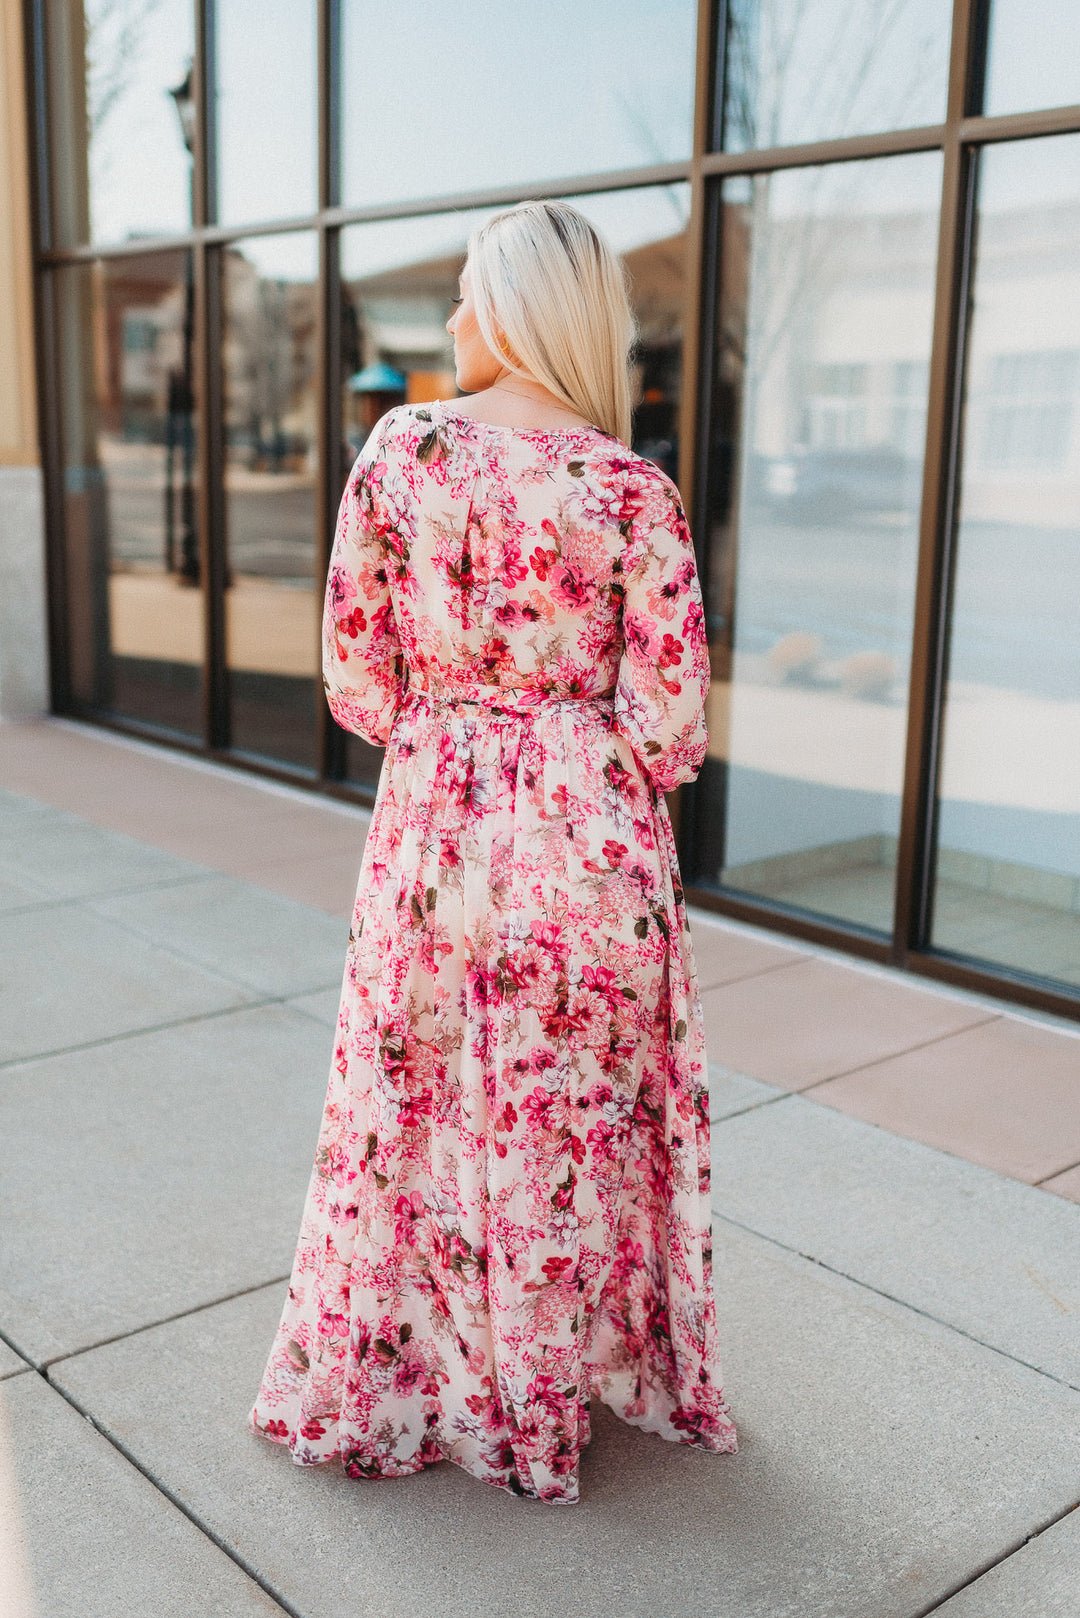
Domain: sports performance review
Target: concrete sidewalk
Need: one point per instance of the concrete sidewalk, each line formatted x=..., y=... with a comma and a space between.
x=898, y=1284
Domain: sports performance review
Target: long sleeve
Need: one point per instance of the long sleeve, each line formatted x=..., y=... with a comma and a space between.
x=363, y=665
x=664, y=673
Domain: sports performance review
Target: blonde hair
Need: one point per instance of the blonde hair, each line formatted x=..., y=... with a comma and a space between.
x=545, y=279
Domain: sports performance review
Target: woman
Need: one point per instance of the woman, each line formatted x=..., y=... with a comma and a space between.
x=509, y=1207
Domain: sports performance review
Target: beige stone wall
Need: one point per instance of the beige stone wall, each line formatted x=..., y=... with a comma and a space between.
x=18, y=418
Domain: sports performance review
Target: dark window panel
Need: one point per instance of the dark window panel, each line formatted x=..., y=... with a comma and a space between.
x=120, y=101
x=1034, y=55
x=457, y=98
x=814, y=475
x=266, y=105
x=130, y=498
x=272, y=594
x=1008, y=857
x=818, y=71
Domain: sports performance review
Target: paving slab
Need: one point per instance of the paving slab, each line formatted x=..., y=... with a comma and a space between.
x=94, y=1537
x=722, y=954
x=266, y=942
x=816, y=1019
x=731, y=1092
x=154, y=1174
x=71, y=859
x=71, y=977
x=991, y=1256
x=960, y=1093
x=883, y=1459
x=326, y=882
x=1040, y=1580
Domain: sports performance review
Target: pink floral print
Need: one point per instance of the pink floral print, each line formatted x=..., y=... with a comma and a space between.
x=508, y=1212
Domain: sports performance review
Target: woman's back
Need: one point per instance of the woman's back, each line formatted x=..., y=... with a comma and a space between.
x=522, y=565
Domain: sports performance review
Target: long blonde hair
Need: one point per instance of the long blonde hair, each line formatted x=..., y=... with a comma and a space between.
x=548, y=282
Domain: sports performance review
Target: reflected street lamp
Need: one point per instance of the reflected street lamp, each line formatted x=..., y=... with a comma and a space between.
x=179, y=421
x=184, y=99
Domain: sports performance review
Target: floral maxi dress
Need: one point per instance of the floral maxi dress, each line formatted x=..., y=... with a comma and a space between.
x=509, y=1207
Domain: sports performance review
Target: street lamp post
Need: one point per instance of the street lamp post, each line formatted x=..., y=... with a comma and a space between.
x=179, y=426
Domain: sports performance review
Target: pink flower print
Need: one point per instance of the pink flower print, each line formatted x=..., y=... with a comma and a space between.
x=341, y=589
x=664, y=598
x=542, y=562
x=637, y=632
x=572, y=589
x=615, y=852
x=670, y=652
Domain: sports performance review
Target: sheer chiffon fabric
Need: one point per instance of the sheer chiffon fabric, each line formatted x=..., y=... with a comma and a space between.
x=508, y=1212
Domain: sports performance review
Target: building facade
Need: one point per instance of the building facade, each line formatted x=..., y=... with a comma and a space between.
x=852, y=235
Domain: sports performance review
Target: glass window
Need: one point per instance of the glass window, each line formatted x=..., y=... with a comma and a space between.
x=1034, y=55
x=135, y=633
x=814, y=473
x=1008, y=861
x=273, y=590
x=398, y=279
x=818, y=71
x=486, y=94
x=267, y=119
x=121, y=112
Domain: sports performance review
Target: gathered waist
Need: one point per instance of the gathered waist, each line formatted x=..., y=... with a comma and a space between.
x=499, y=700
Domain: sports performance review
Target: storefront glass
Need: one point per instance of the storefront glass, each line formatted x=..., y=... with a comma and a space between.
x=814, y=70
x=1034, y=55
x=487, y=94
x=266, y=95
x=130, y=474
x=1008, y=856
x=121, y=114
x=815, y=473
x=273, y=592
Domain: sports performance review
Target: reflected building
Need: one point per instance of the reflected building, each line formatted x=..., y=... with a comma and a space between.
x=851, y=239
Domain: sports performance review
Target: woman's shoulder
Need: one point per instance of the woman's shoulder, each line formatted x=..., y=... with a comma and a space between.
x=421, y=429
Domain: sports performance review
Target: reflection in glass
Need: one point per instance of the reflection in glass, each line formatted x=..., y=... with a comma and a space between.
x=1034, y=55
x=486, y=94
x=135, y=631
x=814, y=70
x=1008, y=862
x=814, y=478
x=266, y=101
x=398, y=279
x=118, y=80
x=272, y=595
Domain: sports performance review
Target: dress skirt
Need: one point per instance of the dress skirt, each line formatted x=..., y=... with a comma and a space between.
x=508, y=1212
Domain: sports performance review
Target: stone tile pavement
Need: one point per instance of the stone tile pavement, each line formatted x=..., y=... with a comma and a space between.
x=899, y=1286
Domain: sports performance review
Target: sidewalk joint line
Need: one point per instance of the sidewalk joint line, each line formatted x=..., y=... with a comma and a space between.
x=744, y=977
x=145, y=936
x=753, y=1106
x=1066, y=1170
x=1006, y=1556
x=891, y=1056
x=166, y=1320
x=845, y=1275
x=169, y=1494
x=137, y=1033
x=20, y=1352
